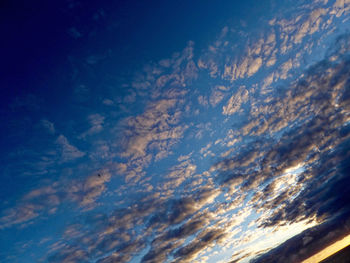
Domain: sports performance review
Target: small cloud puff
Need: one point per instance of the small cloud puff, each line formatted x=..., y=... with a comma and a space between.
x=67, y=151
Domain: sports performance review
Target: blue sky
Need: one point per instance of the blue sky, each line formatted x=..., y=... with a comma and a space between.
x=173, y=131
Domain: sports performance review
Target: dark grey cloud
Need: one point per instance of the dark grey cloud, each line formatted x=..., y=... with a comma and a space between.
x=201, y=241
x=309, y=242
x=160, y=253
x=316, y=125
x=320, y=140
x=240, y=255
x=164, y=224
x=168, y=242
x=325, y=195
x=124, y=253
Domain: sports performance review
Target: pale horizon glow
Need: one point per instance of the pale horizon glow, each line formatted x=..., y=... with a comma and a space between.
x=328, y=251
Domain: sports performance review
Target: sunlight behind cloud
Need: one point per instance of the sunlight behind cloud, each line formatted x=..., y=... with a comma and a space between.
x=267, y=238
x=297, y=169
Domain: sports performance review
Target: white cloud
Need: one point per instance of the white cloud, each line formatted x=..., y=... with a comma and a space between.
x=235, y=102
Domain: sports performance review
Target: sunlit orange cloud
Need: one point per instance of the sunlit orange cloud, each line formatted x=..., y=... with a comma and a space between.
x=328, y=251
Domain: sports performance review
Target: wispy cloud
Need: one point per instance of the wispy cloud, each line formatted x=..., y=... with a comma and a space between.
x=67, y=151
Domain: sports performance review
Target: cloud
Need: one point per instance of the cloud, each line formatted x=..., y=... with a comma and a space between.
x=151, y=135
x=87, y=191
x=177, y=176
x=181, y=213
x=202, y=240
x=247, y=67
x=216, y=96
x=69, y=254
x=295, y=146
x=317, y=139
x=309, y=26
x=31, y=206
x=202, y=100
x=68, y=152
x=281, y=40
x=49, y=126
x=46, y=200
x=96, y=121
x=168, y=242
x=309, y=242
x=235, y=102
x=341, y=7
x=163, y=223
x=323, y=197
x=152, y=125
x=74, y=33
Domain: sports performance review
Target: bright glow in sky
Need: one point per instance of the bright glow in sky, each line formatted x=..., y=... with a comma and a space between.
x=330, y=250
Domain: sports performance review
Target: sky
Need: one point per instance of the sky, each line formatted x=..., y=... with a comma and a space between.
x=174, y=131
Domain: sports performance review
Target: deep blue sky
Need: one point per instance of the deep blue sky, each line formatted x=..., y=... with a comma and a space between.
x=40, y=54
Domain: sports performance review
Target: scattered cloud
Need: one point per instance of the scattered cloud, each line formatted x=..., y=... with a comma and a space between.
x=96, y=121
x=49, y=126
x=276, y=162
x=67, y=151
x=274, y=181
x=235, y=102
